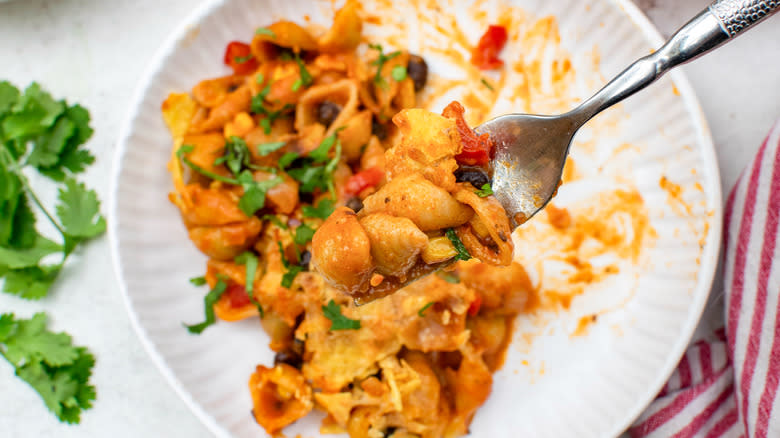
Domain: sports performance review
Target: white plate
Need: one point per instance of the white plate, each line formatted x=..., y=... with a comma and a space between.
x=556, y=386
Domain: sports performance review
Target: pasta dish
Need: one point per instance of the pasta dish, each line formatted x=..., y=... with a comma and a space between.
x=311, y=153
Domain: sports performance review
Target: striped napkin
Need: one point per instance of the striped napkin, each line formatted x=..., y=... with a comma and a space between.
x=726, y=384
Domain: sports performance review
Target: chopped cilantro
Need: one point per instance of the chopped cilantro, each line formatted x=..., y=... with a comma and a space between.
x=208, y=303
x=303, y=234
x=275, y=220
x=287, y=159
x=236, y=155
x=257, y=106
x=242, y=59
x=291, y=270
x=250, y=260
x=422, y=310
x=448, y=277
x=487, y=84
x=306, y=79
x=297, y=85
x=259, y=79
x=49, y=362
x=380, y=62
x=198, y=281
x=463, y=253
x=485, y=191
x=266, y=148
x=338, y=321
x=320, y=177
x=320, y=154
x=265, y=31
x=323, y=209
x=398, y=73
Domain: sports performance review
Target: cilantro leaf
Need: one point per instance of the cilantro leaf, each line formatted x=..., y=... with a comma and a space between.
x=303, y=234
x=338, y=321
x=291, y=270
x=31, y=339
x=253, y=198
x=320, y=154
x=208, y=302
x=448, y=277
x=306, y=79
x=422, y=310
x=236, y=156
x=265, y=31
x=323, y=209
x=398, y=73
x=31, y=283
x=380, y=62
x=79, y=211
x=32, y=114
x=9, y=95
x=266, y=148
x=50, y=144
x=17, y=258
x=243, y=59
x=250, y=260
x=287, y=159
x=463, y=253
x=485, y=191
x=275, y=220
x=198, y=281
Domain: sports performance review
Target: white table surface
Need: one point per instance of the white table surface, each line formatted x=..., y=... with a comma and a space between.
x=93, y=52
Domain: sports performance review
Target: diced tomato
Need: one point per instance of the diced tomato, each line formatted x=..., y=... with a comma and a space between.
x=363, y=180
x=237, y=296
x=475, y=305
x=239, y=57
x=476, y=150
x=485, y=55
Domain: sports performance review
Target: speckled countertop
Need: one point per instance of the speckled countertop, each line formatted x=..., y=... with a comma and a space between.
x=93, y=52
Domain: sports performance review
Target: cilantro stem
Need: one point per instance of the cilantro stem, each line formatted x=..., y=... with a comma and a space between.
x=28, y=189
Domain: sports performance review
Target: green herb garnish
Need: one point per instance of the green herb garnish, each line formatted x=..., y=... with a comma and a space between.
x=275, y=220
x=323, y=209
x=448, y=277
x=338, y=321
x=291, y=270
x=236, y=155
x=398, y=73
x=242, y=59
x=303, y=234
x=250, y=260
x=265, y=31
x=487, y=84
x=198, y=281
x=380, y=62
x=421, y=312
x=208, y=303
x=462, y=252
x=266, y=148
x=485, y=191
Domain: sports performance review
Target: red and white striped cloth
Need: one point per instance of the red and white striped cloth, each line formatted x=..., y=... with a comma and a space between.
x=726, y=385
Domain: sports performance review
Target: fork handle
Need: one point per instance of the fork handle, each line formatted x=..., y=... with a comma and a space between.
x=721, y=21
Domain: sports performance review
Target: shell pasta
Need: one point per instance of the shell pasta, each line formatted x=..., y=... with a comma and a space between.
x=307, y=172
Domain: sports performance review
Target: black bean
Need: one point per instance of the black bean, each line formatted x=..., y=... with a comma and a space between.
x=355, y=204
x=474, y=175
x=289, y=357
x=389, y=432
x=305, y=259
x=327, y=112
x=418, y=71
x=378, y=129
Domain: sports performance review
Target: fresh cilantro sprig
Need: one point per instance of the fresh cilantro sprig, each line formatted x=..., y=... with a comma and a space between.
x=462, y=252
x=398, y=73
x=265, y=31
x=485, y=191
x=243, y=59
x=208, y=307
x=49, y=362
x=236, y=156
x=41, y=133
x=265, y=149
x=380, y=62
x=338, y=321
x=255, y=192
x=303, y=234
x=487, y=84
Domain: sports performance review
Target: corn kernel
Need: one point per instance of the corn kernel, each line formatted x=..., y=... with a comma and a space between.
x=241, y=124
x=439, y=249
